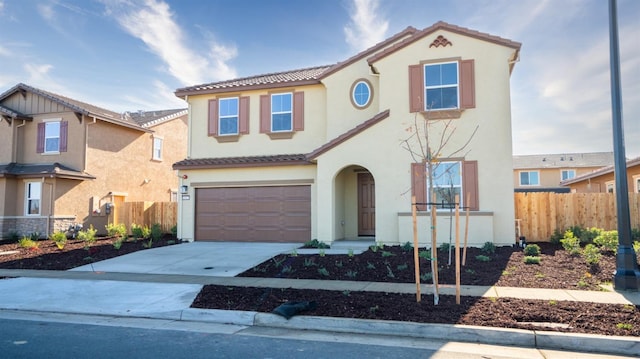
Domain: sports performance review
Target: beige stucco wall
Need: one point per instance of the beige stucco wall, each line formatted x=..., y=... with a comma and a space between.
x=6, y=139
x=549, y=177
x=256, y=143
x=233, y=177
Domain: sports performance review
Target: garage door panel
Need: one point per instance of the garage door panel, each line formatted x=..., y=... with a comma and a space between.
x=274, y=213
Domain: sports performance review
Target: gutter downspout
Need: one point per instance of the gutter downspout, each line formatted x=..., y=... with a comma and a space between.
x=181, y=182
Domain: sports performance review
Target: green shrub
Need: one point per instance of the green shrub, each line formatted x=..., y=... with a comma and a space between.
x=532, y=260
x=174, y=231
x=532, y=250
x=59, y=238
x=570, y=243
x=635, y=234
x=589, y=234
x=636, y=247
x=314, y=243
x=578, y=231
x=426, y=254
x=591, y=254
x=88, y=235
x=156, y=231
x=556, y=236
x=34, y=236
x=607, y=241
x=407, y=246
x=444, y=247
x=118, y=243
x=116, y=230
x=27, y=242
x=489, y=247
x=140, y=232
x=13, y=236
x=483, y=258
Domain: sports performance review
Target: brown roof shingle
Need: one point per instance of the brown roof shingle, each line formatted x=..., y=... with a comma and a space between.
x=246, y=161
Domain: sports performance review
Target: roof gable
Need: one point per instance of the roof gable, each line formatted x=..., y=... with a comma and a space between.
x=153, y=118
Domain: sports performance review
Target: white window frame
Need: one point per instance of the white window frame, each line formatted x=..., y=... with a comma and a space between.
x=610, y=187
x=636, y=183
x=427, y=107
x=235, y=116
x=28, y=197
x=157, y=149
x=568, y=171
x=528, y=185
x=438, y=184
x=273, y=112
x=47, y=136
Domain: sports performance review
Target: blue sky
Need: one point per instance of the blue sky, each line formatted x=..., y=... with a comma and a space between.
x=129, y=55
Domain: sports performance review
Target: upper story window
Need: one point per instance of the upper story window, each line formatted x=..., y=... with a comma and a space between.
x=52, y=137
x=610, y=187
x=228, y=116
x=567, y=174
x=282, y=112
x=361, y=93
x=529, y=178
x=157, y=148
x=33, y=192
x=441, y=86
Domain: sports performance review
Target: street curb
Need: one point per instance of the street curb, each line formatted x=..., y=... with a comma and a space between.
x=601, y=344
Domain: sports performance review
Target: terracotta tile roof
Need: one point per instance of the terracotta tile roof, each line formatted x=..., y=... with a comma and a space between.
x=80, y=107
x=42, y=169
x=563, y=160
x=349, y=134
x=298, y=77
x=153, y=118
x=246, y=161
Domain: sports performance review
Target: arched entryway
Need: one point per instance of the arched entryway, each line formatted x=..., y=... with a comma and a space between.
x=355, y=203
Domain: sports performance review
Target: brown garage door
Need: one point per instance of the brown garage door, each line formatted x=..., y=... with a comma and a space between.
x=256, y=214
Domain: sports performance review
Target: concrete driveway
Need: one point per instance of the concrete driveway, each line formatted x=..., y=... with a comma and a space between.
x=222, y=259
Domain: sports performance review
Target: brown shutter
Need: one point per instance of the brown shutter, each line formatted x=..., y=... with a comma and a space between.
x=40, y=138
x=467, y=84
x=298, y=111
x=265, y=113
x=419, y=184
x=213, y=117
x=64, y=129
x=470, y=184
x=243, y=115
x=416, y=88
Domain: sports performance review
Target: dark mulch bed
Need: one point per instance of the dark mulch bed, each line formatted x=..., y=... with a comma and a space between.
x=393, y=264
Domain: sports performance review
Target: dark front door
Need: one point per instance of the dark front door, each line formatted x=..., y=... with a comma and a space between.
x=366, y=205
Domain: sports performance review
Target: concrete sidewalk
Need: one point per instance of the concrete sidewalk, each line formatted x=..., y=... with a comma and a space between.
x=167, y=279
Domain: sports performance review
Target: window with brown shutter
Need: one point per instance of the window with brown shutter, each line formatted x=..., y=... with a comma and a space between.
x=283, y=129
x=449, y=94
x=213, y=117
x=469, y=185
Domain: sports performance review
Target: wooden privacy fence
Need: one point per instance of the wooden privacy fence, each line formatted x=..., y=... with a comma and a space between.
x=540, y=214
x=148, y=213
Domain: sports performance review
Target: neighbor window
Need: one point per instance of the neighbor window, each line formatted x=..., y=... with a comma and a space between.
x=530, y=178
x=568, y=174
x=447, y=183
x=610, y=187
x=361, y=94
x=228, y=116
x=32, y=196
x=637, y=185
x=157, y=148
x=441, y=86
x=51, y=137
x=282, y=112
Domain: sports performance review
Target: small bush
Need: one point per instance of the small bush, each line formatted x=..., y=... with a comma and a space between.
x=635, y=234
x=117, y=243
x=589, y=234
x=59, y=238
x=140, y=232
x=323, y=272
x=27, y=242
x=116, y=230
x=407, y=246
x=532, y=250
x=556, y=236
x=13, y=236
x=636, y=247
x=607, y=241
x=483, y=258
x=570, y=243
x=426, y=254
x=532, y=260
x=314, y=243
x=174, y=231
x=444, y=247
x=591, y=254
x=489, y=247
x=156, y=231
x=88, y=235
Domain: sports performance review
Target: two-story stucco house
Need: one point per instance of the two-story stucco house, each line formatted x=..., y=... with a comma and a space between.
x=545, y=172
x=328, y=152
x=65, y=162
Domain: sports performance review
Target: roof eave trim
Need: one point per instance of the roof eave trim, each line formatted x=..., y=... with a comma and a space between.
x=182, y=93
x=241, y=165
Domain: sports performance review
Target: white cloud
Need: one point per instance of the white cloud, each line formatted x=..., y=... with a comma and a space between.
x=46, y=11
x=38, y=73
x=366, y=27
x=153, y=23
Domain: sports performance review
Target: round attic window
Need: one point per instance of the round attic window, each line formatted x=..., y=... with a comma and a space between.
x=361, y=93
